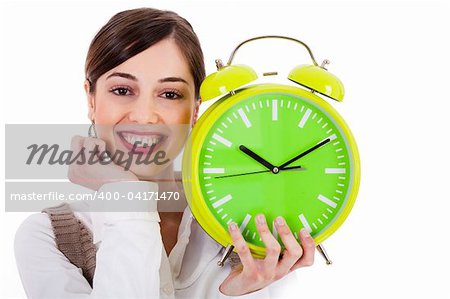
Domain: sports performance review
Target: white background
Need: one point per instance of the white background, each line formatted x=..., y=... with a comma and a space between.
x=393, y=60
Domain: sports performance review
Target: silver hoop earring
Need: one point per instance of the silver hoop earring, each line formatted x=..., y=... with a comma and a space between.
x=92, y=132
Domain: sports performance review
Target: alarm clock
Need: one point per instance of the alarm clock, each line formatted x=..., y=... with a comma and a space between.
x=276, y=149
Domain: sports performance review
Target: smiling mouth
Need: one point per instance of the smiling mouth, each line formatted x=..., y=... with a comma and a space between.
x=141, y=139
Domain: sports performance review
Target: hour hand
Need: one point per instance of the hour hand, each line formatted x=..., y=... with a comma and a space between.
x=258, y=158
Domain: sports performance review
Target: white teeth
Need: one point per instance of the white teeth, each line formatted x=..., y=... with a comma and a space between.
x=143, y=141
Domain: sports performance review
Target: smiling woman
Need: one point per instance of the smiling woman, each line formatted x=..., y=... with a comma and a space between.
x=143, y=74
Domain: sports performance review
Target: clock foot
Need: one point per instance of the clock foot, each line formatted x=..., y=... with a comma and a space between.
x=324, y=254
x=225, y=255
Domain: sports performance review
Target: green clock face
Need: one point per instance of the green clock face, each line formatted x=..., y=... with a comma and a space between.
x=313, y=178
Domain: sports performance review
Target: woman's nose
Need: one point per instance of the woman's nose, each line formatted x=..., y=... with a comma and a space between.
x=145, y=111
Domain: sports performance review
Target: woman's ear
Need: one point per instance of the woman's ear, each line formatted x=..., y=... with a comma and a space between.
x=90, y=99
x=196, y=109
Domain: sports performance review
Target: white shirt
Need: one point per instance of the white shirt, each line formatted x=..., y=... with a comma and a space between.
x=131, y=261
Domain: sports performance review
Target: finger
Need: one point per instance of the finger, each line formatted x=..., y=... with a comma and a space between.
x=76, y=144
x=94, y=145
x=77, y=148
x=273, y=248
x=293, y=251
x=309, y=248
x=100, y=146
x=241, y=247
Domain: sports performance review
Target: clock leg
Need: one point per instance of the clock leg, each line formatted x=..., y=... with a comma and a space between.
x=225, y=255
x=324, y=254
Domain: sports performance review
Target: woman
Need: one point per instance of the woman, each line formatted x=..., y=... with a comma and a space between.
x=143, y=73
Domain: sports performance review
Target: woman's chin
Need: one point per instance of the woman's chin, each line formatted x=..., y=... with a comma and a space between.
x=151, y=172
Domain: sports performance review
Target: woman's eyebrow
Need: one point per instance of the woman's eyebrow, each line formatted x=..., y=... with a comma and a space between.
x=123, y=75
x=172, y=79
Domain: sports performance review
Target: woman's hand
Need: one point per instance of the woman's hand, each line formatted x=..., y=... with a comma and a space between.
x=259, y=273
x=93, y=176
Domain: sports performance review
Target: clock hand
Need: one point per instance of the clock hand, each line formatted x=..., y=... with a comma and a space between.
x=254, y=172
x=282, y=167
x=258, y=158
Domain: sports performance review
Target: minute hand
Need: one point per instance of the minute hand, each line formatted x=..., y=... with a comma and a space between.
x=305, y=153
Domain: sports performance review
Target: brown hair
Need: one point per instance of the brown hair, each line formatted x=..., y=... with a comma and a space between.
x=132, y=31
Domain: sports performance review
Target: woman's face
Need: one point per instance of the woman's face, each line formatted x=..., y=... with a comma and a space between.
x=147, y=102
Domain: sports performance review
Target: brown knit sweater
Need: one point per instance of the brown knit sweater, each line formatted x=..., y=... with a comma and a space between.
x=73, y=239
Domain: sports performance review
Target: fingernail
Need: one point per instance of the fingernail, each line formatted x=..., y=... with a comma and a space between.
x=280, y=221
x=304, y=233
x=105, y=157
x=233, y=227
x=260, y=219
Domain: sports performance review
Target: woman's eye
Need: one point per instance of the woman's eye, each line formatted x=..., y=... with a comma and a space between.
x=171, y=95
x=121, y=91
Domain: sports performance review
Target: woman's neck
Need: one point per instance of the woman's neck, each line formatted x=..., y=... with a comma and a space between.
x=171, y=205
x=170, y=191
